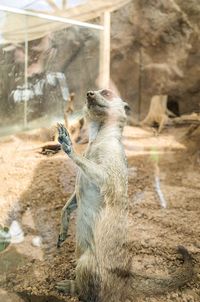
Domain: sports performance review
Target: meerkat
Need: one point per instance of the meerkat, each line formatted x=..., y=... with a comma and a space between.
x=158, y=112
x=104, y=271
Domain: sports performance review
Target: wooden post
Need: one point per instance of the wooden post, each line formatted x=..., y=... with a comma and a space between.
x=64, y=4
x=104, y=63
x=140, y=83
x=53, y=5
x=26, y=71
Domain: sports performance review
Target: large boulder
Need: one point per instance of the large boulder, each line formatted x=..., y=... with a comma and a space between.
x=156, y=50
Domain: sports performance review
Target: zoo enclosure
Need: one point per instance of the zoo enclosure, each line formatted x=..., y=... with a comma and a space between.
x=44, y=56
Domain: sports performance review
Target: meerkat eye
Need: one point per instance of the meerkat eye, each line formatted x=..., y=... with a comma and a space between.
x=105, y=92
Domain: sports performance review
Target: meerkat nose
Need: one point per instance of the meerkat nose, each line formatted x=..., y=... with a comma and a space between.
x=90, y=94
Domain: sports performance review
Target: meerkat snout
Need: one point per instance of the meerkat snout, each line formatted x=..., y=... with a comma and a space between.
x=90, y=95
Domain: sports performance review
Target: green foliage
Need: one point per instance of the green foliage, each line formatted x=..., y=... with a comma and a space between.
x=4, y=238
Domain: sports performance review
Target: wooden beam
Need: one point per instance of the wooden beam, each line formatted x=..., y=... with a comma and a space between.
x=26, y=76
x=41, y=12
x=104, y=63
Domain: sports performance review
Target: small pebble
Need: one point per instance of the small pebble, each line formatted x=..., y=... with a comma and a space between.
x=37, y=241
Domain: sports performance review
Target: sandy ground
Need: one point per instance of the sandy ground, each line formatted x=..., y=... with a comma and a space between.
x=34, y=188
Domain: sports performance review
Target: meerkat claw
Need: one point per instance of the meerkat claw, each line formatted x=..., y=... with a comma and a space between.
x=61, y=239
x=66, y=286
x=63, y=286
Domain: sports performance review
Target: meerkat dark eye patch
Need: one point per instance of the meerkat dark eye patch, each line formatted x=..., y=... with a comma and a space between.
x=127, y=109
x=105, y=92
x=108, y=94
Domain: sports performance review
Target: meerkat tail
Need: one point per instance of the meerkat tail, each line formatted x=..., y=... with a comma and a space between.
x=161, y=284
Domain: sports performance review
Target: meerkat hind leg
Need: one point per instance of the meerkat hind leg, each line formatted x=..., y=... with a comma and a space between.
x=69, y=207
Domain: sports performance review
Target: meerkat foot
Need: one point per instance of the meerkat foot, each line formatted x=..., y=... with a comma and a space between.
x=64, y=139
x=67, y=287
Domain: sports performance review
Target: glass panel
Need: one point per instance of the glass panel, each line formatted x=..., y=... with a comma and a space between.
x=41, y=63
x=155, y=68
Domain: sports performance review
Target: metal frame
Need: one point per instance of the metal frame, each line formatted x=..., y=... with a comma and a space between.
x=50, y=17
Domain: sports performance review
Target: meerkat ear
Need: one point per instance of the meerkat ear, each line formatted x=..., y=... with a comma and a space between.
x=127, y=108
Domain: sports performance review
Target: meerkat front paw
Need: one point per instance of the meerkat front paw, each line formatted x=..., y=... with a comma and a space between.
x=64, y=139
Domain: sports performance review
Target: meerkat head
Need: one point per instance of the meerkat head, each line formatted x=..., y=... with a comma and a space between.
x=104, y=105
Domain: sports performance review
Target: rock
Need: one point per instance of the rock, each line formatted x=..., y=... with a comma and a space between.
x=159, y=53
x=37, y=241
x=16, y=233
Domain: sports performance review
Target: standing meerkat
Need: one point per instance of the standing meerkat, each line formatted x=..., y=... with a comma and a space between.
x=104, y=271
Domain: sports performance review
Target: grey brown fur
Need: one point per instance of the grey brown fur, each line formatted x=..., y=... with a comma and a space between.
x=104, y=271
